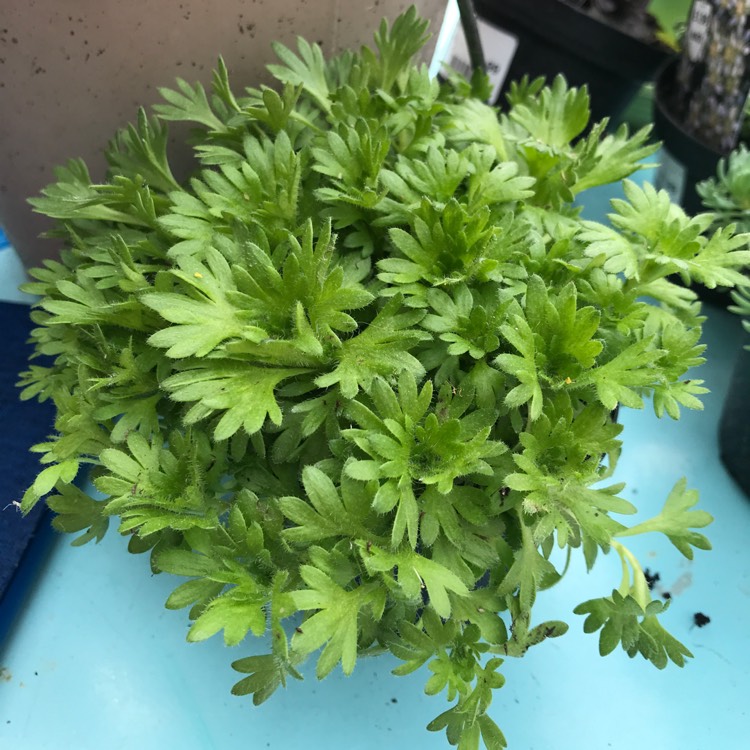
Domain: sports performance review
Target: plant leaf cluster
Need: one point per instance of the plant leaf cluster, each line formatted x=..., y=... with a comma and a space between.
x=727, y=196
x=353, y=379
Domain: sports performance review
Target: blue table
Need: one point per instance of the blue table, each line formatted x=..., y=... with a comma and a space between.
x=97, y=663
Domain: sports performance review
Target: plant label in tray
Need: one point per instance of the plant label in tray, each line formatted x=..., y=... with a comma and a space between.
x=698, y=29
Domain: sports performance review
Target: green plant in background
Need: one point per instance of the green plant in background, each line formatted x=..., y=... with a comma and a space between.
x=728, y=194
x=741, y=306
x=649, y=20
x=671, y=17
x=354, y=379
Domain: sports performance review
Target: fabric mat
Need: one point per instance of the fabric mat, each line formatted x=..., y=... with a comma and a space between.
x=23, y=540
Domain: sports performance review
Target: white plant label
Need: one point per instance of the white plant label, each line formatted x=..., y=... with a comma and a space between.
x=499, y=47
x=697, y=37
x=670, y=176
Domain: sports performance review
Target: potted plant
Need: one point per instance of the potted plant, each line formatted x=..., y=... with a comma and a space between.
x=727, y=195
x=611, y=46
x=700, y=96
x=355, y=379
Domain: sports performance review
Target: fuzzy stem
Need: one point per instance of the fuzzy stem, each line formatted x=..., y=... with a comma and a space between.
x=639, y=588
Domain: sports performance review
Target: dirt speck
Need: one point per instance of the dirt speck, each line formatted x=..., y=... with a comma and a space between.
x=651, y=578
x=700, y=619
x=5, y=674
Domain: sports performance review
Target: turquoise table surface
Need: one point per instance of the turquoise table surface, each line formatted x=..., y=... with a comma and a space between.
x=96, y=662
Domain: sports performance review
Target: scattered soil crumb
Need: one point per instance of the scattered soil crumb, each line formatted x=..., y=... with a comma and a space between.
x=651, y=578
x=700, y=619
x=5, y=674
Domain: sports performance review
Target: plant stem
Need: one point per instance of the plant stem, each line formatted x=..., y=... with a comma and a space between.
x=471, y=33
x=639, y=588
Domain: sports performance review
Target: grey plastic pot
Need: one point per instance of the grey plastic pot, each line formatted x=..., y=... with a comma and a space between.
x=734, y=427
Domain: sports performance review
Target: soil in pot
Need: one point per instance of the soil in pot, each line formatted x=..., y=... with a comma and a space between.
x=685, y=160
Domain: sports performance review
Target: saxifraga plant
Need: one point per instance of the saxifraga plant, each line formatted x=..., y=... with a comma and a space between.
x=354, y=379
x=727, y=195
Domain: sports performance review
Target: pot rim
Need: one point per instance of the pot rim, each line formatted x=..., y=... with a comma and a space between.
x=584, y=36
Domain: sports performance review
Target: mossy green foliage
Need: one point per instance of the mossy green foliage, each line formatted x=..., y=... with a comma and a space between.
x=364, y=359
x=727, y=194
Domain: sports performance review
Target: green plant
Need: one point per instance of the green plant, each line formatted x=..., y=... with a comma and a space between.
x=727, y=194
x=648, y=20
x=727, y=197
x=671, y=17
x=354, y=380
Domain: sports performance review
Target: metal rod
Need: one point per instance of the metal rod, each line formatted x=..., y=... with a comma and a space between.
x=471, y=33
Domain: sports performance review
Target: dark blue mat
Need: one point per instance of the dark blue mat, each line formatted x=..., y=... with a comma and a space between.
x=24, y=541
